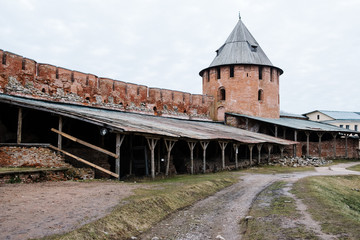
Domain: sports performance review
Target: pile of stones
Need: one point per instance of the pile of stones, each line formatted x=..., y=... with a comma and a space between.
x=301, y=162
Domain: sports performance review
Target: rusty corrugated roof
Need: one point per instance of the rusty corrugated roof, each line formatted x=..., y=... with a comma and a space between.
x=148, y=124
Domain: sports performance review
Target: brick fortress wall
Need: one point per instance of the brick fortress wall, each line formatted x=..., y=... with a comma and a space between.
x=24, y=77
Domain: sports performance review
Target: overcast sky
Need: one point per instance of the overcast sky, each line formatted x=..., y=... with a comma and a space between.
x=165, y=43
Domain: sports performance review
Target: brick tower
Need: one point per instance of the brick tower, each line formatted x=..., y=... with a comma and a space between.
x=241, y=78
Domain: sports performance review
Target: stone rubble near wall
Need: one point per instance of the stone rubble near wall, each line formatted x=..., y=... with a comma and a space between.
x=31, y=157
x=300, y=162
x=39, y=157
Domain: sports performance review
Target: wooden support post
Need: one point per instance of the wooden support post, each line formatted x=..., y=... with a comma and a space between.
x=159, y=158
x=284, y=133
x=346, y=146
x=236, y=149
x=152, y=144
x=191, y=147
x=204, y=145
x=295, y=139
x=281, y=151
x=19, y=126
x=269, y=151
x=276, y=130
x=259, y=146
x=223, y=146
x=251, y=146
x=60, y=130
x=307, y=143
x=320, y=134
x=119, y=141
x=169, y=146
x=334, y=144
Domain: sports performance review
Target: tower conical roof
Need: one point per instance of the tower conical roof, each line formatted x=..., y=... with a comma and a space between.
x=240, y=48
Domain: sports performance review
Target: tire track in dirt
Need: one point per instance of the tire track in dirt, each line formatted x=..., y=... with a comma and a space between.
x=219, y=215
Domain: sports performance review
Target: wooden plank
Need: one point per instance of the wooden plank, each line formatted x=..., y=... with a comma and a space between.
x=86, y=162
x=60, y=129
x=85, y=143
x=19, y=126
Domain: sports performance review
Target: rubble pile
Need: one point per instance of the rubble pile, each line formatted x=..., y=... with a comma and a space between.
x=301, y=162
x=30, y=157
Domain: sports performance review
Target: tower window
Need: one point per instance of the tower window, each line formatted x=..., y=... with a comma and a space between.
x=356, y=127
x=347, y=127
x=318, y=117
x=260, y=73
x=57, y=73
x=221, y=94
x=231, y=71
x=260, y=95
x=72, y=77
x=4, y=59
x=271, y=75
x=208, y=75
x=87, y=80
x=218, y=73
x=23, y=64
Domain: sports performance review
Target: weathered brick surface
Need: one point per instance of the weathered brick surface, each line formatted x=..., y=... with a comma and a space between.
x=242, y=91
x=24, y=77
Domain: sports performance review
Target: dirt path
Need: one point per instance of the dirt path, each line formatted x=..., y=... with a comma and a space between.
x=37, y=210
x=40, y=209
x=218, y=216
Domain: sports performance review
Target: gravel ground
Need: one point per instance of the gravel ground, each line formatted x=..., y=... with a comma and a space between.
x=40, y=209
x=218, y=216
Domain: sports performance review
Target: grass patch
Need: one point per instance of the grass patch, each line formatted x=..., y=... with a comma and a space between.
x=273, y=214
x=355, y=168
x=333, y=201
x=267, y=169
x=151, y=204
x=337, y=161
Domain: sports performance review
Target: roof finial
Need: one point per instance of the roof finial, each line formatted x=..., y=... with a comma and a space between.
x=239, y=15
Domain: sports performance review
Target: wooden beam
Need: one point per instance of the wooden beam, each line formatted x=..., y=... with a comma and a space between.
x=307, y=143
x=191, y=147
x=320, y=134
x=60, y=130
x=204, y=145
x=251, y=146
x=269, y=151
x=223, y=146
x=19, y=126
x=152, y=144
x=85, y=143
x=295, y=139
x=86, y=162
x=236, y=149
x=259, y=146
x=169, y=143
x=334, y=146
x=119, y=141
x=346, y=146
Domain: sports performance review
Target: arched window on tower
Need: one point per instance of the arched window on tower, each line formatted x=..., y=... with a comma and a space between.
x=221, y=94
x=260, y=72
x=260, y=95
